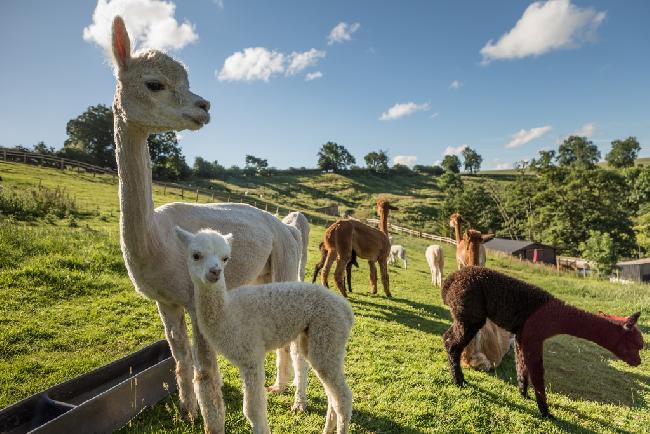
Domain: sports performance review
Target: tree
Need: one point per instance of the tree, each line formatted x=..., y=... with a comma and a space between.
x=578, y=152
x=544, y=162
x=451, y=163
x=204, y=169
x=623, y=152
x=42, y=148
x=167, y=160
x=255, y=165
x=377, y=161
x=599, y=248
x=92, y=133
x=472, y=160
x=334, y=157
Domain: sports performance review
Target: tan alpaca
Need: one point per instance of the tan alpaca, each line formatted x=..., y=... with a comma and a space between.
x=152, y=95
x=344, y=236
x=491, y=343
x=455, y=221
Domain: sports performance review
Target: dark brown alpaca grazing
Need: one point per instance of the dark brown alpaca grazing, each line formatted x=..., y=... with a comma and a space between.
x=348, y=267
x=475, y=294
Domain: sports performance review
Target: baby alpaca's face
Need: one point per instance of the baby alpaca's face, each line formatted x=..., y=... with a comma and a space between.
x=208, y=252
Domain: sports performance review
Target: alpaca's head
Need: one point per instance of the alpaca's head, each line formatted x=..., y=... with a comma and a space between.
x=153, y=91
x=383, y=206
x=629, y=339
x=456, y=219
x=207, y=253
x=473, y=240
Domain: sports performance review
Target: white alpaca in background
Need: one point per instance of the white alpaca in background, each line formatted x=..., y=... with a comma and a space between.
x=398, y=251
x=436, y=260
x=245, y=323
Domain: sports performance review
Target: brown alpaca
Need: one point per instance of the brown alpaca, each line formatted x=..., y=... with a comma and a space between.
x=491, y=343
x=462, y=249
x=344, y=236
x=348, y=268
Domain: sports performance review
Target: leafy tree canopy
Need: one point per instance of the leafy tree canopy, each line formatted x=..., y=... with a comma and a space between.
x=334, y=157
x=623, y=152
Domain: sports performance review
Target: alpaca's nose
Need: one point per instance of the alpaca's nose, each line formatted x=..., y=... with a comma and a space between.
x=213, y=274
x=203, y=104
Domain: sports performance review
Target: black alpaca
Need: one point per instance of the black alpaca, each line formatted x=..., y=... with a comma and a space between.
x=475, y=294
x=348, y=267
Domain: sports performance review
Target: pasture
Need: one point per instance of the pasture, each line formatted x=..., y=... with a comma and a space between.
x=68, y=306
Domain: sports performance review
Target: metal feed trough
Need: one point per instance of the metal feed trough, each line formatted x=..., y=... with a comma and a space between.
x=100, y=401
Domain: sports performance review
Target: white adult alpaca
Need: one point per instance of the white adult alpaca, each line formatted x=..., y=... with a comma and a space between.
x=398, y=251
x=153, y=95
x=245, y=323
x=436, y=260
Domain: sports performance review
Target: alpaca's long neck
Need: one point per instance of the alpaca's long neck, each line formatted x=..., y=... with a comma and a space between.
x=137, y=227
x=473, y=253
x=457, y=231
x=558, y=318
x=383, y=222
x=211, y=303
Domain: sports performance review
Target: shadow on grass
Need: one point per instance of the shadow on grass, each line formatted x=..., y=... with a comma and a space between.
x=409, y=318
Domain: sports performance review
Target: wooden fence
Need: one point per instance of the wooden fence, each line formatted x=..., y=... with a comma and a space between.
x=51, y=161
x=413, y=232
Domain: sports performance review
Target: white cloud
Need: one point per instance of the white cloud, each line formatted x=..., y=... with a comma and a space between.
x=301, y=61
x=503, y=166
x=313, y=75
x=587, y=130
x=434, y=115
x=404, y=109
x=342, y=32
x=543, y=27
x=450, y=150
x=219, y=3
x=150, y=23
x=405, y=160
x=522, y=136
x=456, y=84
x=254, y=63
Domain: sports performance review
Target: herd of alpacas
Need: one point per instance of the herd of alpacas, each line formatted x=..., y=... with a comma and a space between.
x=238, y=273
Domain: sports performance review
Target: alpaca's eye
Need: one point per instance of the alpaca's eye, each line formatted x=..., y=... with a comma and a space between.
x=155, y=86
x=225, y=259
x=196, y=256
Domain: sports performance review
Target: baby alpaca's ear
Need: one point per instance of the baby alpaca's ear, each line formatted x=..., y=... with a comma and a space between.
x=631, y=321
x=183, y=235
x=228, y=238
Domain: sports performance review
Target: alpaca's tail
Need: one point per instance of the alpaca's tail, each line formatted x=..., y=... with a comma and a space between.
x=446, y=286
x=300, y=222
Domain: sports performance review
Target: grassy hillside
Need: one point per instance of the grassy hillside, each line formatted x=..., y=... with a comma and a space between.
x=69, y=307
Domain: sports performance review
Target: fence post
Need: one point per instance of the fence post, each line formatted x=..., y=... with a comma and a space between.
x=212, y=198
x=164, y=189
x=182, y=193
x=25, y=158
x=197, y=195
x=62, y=164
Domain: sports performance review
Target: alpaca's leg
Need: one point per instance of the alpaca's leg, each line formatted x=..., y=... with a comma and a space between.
x=283, y=370
x=533, y=356
x=173, y=319
x=348, y=275
x=456, y=339
x=319, y=266
x=522, y=370
x=255, y=398
x=339, y=398
x=339, y=278
x=301, y=370
x=207, y=382
x=373, y=276
x=405, y=263
x=331, y=256
x=383, y=268
x=330, y=416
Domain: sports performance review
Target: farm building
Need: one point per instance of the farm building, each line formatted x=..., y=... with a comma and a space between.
x=637, y=270
x=528, y=250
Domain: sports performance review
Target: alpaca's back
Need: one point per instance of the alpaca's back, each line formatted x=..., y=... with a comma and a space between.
x=435, y=256
x=476, y=293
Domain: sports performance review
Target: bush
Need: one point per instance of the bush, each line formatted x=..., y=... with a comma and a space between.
x=32, y=203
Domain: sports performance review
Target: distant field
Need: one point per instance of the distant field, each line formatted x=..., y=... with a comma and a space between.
x=69, y=307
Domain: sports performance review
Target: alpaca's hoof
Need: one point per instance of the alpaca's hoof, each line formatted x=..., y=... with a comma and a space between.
x=189, y=410
x=275, y=389
x=548, y=416
x=299, y=407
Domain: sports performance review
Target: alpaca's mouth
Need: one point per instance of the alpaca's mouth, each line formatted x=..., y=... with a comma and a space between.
x=199, y=122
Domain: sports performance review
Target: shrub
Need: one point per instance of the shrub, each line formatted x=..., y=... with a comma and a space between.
x=32, y=203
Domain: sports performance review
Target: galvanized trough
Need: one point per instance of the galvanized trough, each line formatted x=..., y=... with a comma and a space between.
x=100, y=401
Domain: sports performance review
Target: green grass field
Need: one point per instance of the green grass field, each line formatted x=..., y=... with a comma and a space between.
x=70, y=307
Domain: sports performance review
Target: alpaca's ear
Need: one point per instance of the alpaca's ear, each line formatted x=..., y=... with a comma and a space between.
x=631, y=321
x=487, y=237
x=121, y=43
x=228, y=238
x=183, y=235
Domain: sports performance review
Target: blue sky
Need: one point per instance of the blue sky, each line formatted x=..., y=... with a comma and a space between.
x=551, y=69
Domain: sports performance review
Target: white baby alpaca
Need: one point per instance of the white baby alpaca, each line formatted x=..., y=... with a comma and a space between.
x=245, y=323
x=436, y=260
x=397, y=251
